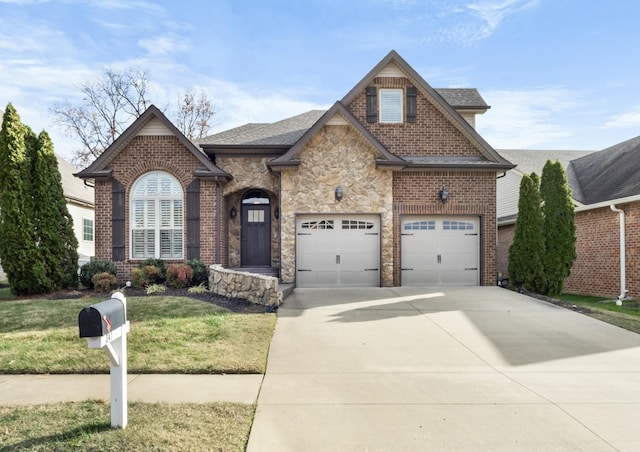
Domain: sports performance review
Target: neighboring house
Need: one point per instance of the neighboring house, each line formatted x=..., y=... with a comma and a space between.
x=391, y=186
x=80, y=203
x=79, y=198
x=602, y=183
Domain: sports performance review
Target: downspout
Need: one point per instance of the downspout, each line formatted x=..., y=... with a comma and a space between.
x=218, y=220
x=623, y=258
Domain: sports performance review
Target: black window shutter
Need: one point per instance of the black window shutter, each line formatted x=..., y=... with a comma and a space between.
x=117, y=221
x=193, y=220
x=372, y=104
x=412, y=103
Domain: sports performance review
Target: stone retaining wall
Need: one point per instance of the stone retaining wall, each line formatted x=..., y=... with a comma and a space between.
x=258, y=289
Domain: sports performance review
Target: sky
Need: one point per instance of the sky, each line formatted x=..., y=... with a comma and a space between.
x=558, y=74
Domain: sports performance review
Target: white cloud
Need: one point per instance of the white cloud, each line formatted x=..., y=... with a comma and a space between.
x=24, y=2
x=628, y=119
x=162, y=45
x=126, y=4
x=531, y=118
x=492, y=13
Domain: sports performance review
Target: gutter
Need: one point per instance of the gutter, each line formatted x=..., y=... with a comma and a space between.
x=623, y=258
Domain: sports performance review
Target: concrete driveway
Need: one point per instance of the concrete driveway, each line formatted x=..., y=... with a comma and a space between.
x=415, y=369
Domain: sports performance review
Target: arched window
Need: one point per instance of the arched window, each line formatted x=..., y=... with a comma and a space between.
x=157, y=213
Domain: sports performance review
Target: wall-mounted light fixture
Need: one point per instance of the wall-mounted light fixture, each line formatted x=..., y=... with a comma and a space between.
x=339, y=193
x=444, y=194
x=233, y=212
x=276, y=213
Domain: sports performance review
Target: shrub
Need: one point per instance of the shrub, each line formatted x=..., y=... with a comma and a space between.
x=158, y=263
x=200, y=275
x=179, y=276
x=146, y=276
x=90, y=269
x=104, y=282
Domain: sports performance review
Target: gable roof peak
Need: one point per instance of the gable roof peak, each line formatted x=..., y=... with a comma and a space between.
x=99, y=167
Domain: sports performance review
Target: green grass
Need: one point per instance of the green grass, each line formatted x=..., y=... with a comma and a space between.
x=626, y=316
x=5, y=294
x=168, y=335
x=86, y=426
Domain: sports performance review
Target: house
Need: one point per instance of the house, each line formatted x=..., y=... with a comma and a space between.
x=390, y=186
x=528, y=161
x=605, y=187
x=79, y=197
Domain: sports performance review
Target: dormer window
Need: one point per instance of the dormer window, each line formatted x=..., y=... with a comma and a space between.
x=391, y=106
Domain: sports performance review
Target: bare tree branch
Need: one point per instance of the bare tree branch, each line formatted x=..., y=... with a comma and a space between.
x=112, y=102
x=194, y=114
x=109, y=105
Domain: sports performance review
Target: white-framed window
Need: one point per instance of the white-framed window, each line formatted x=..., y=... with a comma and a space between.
x=391, y=105
x=87, y=230
x=157, y=217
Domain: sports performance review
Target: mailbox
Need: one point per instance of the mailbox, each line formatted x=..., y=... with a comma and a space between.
x=101, y=318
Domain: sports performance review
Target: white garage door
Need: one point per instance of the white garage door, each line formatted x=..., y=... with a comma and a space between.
x=440, y=251
x=338, y=250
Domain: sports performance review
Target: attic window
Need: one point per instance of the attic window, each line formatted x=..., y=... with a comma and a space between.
x=391, y=106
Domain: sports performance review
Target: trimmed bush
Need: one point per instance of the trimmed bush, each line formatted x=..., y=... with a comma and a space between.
x=145, y=276
x=159, y=264
x=200, y=274
x=90, y=269
x=179, y=276
x=104, y=282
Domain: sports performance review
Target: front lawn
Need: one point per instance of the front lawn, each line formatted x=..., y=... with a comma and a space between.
x=168, y=335
x=152, y=426
x=626, y=316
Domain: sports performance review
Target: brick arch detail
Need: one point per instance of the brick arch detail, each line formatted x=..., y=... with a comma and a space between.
x=156, y=165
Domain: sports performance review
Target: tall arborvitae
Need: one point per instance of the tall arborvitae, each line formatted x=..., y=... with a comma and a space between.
x=558, y=228
x=57, y=241
x=526, y=252
x=19, y=254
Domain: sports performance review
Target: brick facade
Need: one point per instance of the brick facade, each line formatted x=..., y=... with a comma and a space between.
x=338, y=153
x=596, y=270
x=142, y=155
x=470, y=194
x=432, y=134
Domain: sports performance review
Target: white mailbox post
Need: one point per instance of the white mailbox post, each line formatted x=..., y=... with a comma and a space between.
x=105, y=325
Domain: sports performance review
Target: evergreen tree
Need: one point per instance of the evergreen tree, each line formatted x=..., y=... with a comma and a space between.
x=18, y=248
x=527, y=250
x=56, y=239
x=558, y=227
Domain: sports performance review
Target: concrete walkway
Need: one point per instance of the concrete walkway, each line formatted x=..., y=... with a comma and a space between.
x=403, y=369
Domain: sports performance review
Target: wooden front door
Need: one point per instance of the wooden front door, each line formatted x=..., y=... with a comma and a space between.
x=256, y=236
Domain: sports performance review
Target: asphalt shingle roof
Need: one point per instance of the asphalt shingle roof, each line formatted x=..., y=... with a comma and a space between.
x=462, y=97
x=281, y=133
x=73, y=187
x=288, y=131
x=612, y=173
x=529, y=161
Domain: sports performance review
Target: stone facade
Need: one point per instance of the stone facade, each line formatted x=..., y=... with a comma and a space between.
x=299, y=162
x=249, y=173
x=255, y=288
x=336, y=156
